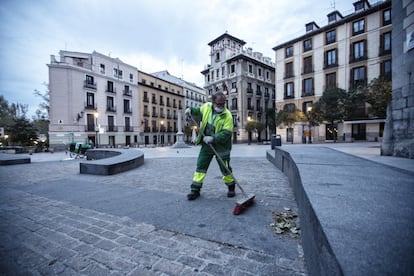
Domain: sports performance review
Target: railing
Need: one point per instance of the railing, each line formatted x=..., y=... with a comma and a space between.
x=90, y=85
x=112, y=128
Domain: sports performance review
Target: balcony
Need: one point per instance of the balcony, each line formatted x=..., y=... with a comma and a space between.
x=127, y=93
x=110, y=89
x=249, y=91
x=127, y=110
x=145, y=100
x=90, y=106
x=111, y=108
x=90, y=128
x=128, y=129
x=89, y=85
x=112, y=128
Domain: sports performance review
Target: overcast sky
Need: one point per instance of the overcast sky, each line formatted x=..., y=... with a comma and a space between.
x=152, y=35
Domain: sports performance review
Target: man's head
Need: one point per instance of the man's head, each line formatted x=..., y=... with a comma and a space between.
x=219, y=101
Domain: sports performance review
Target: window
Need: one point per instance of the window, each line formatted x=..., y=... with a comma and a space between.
x=89, y=80
x=131, y=77
x=250, y=68
x=289, y=90
x=307, y=45
x=358, y=27
x=307, y=65
x=358, y=51
x=110, y=104
x=127, y=91
x=127, y=106
x=330, y=81
x=386, y=69
x=218, y=73
x=289, y=70
x=259, y=72
x=222, y=71
x=217, y=56
x=386, y=17
x=385, y=47
x=110, y=87
x=90, y=100
x=289, y=51
x=234, y=104
x=232, y=68
x=306, y=107
x=117, y=73
x=330, y=37
x=307, y=87
x=102, y=68
x=331, y=58
x=358, y=77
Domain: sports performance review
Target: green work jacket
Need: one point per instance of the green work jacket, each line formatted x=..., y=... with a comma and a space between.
x=222, y=125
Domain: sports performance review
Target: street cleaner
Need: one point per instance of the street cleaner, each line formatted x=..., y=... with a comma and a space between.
x=216, y=129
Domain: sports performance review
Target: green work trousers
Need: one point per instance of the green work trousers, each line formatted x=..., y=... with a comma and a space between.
x=203, y=162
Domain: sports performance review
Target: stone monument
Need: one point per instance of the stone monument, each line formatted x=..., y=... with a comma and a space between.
x=180, y=135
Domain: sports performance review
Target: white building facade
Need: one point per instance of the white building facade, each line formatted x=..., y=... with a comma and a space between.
x=93, y=98
x=349, y=51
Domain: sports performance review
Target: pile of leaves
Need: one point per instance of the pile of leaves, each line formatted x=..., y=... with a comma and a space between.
x=285, y=223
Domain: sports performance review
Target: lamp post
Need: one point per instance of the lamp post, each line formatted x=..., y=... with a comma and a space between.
x=310, y=125
x=159, y=131
x=96, y=129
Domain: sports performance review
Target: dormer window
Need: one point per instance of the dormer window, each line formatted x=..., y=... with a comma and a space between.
x=361, y=5
x=311, y=27
x=334, y=16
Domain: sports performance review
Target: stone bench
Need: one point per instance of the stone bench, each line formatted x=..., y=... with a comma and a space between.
x=111, y=161
x=13, y=159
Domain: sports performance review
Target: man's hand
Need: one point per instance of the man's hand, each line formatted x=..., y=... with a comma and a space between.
x=208, y=139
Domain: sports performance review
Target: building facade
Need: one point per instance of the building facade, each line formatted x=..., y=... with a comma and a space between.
x=248, y=79
x=349, y=51
x=160, y=103
x=93, y=98
x=399, y=131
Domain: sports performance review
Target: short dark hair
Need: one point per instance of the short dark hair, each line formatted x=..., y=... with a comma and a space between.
x=216, y=95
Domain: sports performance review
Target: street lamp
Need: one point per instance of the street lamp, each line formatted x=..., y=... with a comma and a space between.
x=309, y=109
x=159, y=130
x=96, y=129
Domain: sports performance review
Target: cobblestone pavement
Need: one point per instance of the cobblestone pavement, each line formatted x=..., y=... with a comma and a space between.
x=54, y=221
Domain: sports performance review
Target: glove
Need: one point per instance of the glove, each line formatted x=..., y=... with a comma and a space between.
x=208, y=139
x=188, y=111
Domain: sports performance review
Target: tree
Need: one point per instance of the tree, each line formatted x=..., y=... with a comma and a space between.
x=253, y=126
x=331, y=107
x=378, y=94
x=289, y=115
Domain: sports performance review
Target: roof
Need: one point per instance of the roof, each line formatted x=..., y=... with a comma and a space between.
x=226, y=35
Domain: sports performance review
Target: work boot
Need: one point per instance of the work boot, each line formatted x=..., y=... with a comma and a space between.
x=231, y=192
x=193, y=195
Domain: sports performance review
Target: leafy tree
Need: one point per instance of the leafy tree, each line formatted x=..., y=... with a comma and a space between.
x=24, y=133
x=289, y=115
x=331, y=107
x=253, y=126
x=378, y=94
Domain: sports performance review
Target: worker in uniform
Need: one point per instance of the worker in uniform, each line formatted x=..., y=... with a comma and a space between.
x=216, y=129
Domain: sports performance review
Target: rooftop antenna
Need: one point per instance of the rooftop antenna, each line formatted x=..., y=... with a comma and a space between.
x=182, y=75
x=333, y=4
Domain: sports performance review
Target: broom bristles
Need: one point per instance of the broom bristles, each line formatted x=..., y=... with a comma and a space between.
x=243, y=204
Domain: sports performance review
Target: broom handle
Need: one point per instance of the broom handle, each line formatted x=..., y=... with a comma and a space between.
x=221, y=161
